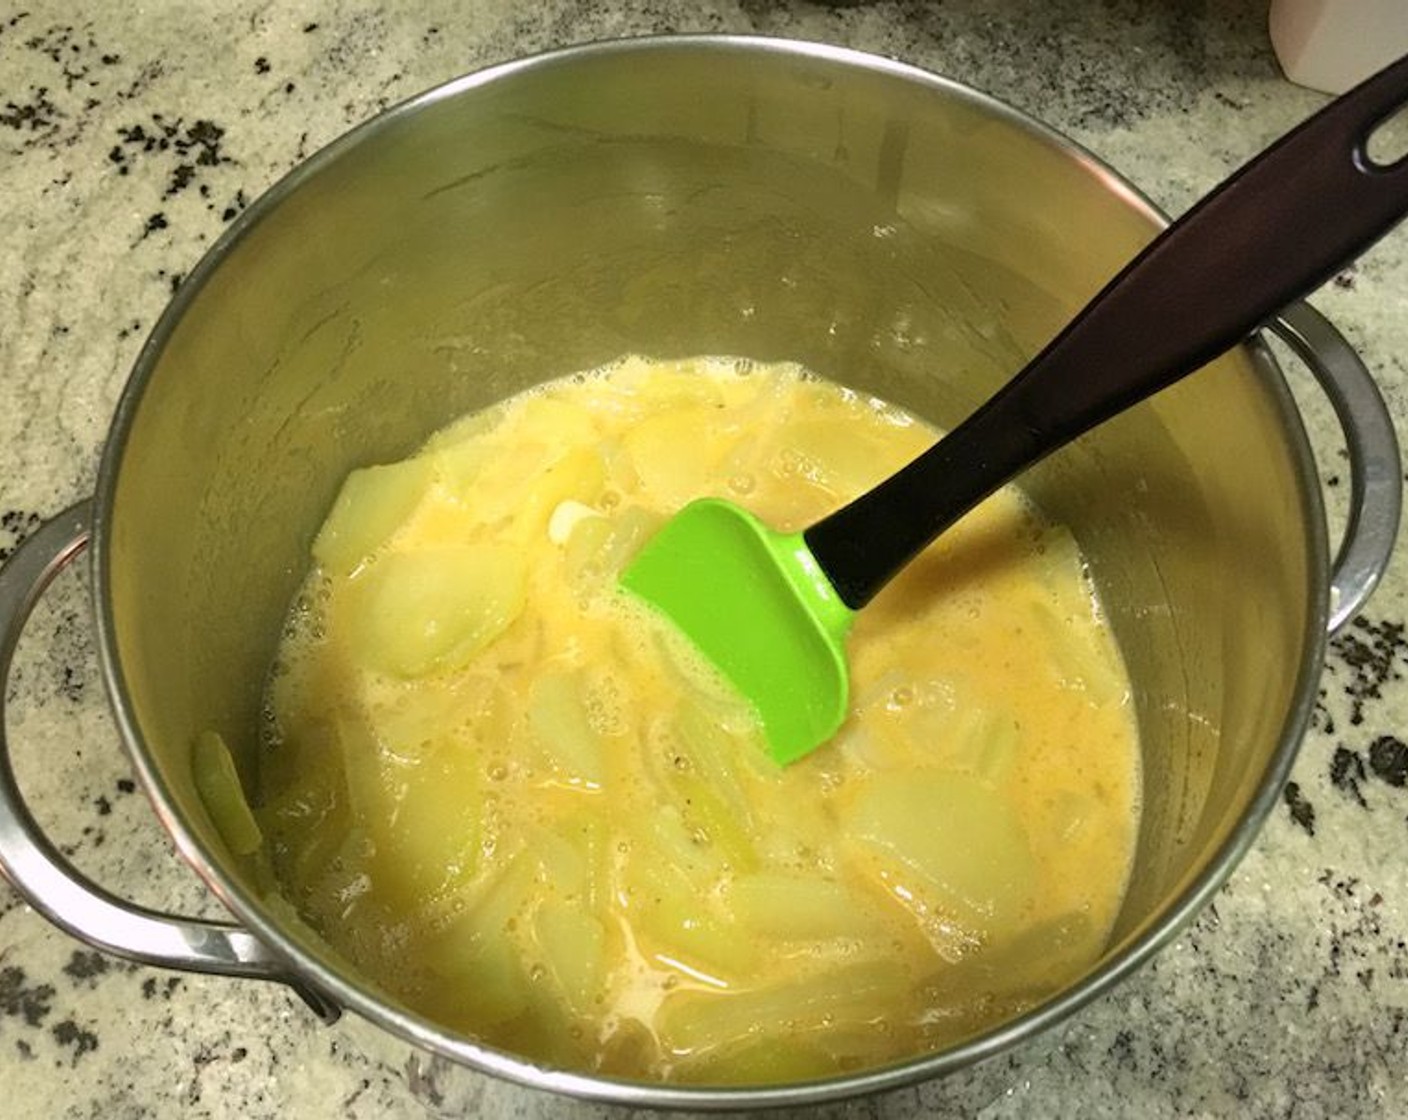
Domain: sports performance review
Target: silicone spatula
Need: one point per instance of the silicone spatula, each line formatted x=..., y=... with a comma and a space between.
x=771, y=610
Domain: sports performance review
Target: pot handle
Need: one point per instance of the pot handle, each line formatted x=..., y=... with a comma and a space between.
x=45, y=879
x=1375, y=470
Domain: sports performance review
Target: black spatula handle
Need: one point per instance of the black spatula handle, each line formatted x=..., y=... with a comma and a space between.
x=1275, y=230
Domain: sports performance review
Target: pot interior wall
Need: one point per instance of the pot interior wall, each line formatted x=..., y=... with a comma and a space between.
x=902, y=237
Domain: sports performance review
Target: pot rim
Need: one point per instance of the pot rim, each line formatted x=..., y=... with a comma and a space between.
x=363, y=998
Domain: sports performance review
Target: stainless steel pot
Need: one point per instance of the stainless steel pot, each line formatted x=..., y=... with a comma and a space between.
x=889, y=229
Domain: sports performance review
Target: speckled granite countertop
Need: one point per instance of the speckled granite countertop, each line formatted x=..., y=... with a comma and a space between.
x=129, y=138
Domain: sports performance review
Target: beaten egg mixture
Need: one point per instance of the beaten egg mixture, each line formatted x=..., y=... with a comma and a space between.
x=511, y=796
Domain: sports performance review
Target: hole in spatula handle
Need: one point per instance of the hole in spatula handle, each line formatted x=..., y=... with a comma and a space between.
x=1386, y=146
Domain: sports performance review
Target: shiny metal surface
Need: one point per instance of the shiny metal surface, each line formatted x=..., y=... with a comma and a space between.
x=889, y=229
x=1375, y=465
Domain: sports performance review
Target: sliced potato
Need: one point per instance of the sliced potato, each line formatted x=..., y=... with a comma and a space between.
x=458, y=466
x=477, y=954
x=673, y=385
x=582, y=546
x=470, y=428
x=575, y=860
x=564, y=858
x=675, y=922
x=629, y=530
x=428, y=836
x=670, y=837
x=715, y=823
x=572, y=941
x=576, y=476
x=719, y=756
x=948, y=840
x=1078, y=655
x=411, y=719
x=557, y=421
x=712, y=820
x=700, y=794
x=798, y=908
x=833, y=453
x=360, y=756
x=336, y=892
x=484, y=484
x=485, y=982
x=872, y=991
x=372, y=504
x=414, y=613
x=558, y=718
x=984, y=742
x=307, y=816
x=218, y=783
x=676, y=453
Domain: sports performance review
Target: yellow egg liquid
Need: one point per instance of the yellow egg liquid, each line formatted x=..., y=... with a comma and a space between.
x=507, y=793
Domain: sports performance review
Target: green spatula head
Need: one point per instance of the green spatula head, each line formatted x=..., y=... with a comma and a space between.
x=757, y=605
